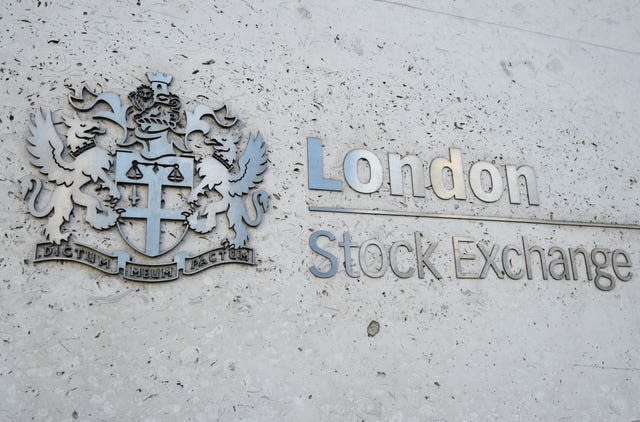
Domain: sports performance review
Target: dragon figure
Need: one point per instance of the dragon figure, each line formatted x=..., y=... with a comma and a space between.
x=69, y=166
x=231, y=188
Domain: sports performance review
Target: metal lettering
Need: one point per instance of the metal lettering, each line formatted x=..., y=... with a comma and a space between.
x=458, y=256
x=45, y=252
x=104, y=262
x=489, y=261
x=150, y=272
x=454, y=164
x=562, y=260
x=351, y=161
x=527, y=251
x=513, y=182
x=313, y=243
x=423, y=258
x=347, y=244
x=475, y=180
x=210, y=259
x=506, y=263
x=315, y=168
x=617, y=264
x=393, y=259
x=587, y=263
x=197, y=263
x=600, y=265
x=416, y=169
x=365, y=265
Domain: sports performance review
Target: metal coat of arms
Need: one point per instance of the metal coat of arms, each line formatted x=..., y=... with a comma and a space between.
x=153, y=189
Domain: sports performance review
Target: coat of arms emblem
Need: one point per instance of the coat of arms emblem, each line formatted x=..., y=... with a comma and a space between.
x=171, y=171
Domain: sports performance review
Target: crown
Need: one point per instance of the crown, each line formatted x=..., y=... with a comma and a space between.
x=223, y=160
x=82, y=148
x=159, y=77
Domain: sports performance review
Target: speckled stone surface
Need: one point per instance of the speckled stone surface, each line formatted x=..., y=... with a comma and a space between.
x=554, y=86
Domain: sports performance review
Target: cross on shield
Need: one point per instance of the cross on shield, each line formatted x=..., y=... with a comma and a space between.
x=147, y=181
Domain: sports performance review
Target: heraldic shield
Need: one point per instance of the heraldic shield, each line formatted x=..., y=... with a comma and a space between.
x=154, y=195
x=150, y=183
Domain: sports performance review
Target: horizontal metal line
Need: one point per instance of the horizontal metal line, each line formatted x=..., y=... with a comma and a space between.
x=393, y=213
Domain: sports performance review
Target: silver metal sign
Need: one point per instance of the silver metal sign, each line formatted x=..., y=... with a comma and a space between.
x=149, y=181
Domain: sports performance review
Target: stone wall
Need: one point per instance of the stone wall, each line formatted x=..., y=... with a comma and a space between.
x=553, y=85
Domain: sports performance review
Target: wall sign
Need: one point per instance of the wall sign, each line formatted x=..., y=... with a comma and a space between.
x=148, y=182
x=471, y=258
